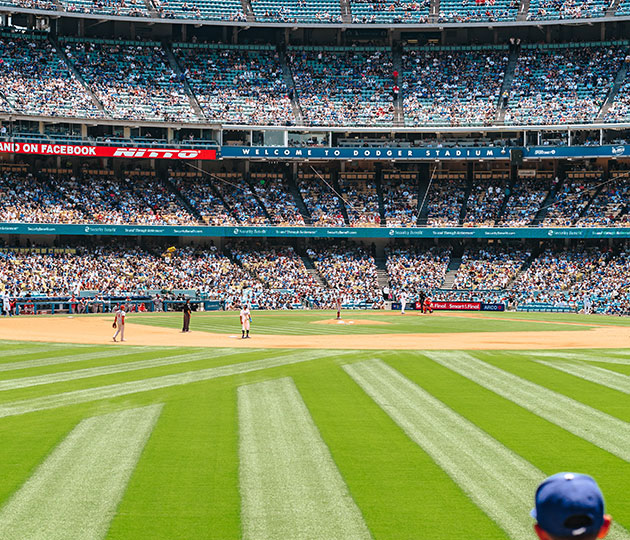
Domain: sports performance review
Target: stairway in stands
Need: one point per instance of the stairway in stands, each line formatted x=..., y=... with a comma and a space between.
x=508, y=77
x=180, y=197
x=523, y=10
x=248, y=10
x=451, y=272
x=612, y=8
x=346, y=11
x=180, y=75
x=381, y=272
x=61, y=53
x=287, y=75
x=610, y=98
x=310, y=268
x=399, y=114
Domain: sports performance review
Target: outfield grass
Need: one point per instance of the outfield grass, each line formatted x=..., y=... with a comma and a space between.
x=299, y=444
x=308, y=323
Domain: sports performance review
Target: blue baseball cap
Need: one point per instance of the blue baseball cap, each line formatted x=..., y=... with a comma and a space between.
x=569, y=504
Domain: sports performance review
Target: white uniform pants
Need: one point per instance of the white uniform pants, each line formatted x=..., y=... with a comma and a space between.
x=120, y=329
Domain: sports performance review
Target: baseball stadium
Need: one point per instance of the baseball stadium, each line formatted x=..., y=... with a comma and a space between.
x=314, y=269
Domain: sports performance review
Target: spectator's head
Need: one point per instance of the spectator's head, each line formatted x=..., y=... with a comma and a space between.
x=570, y=506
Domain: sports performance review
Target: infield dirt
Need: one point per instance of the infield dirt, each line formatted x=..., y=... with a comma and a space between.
x=98, y=330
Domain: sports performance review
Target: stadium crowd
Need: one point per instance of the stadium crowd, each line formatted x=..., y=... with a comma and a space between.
x=271, y=277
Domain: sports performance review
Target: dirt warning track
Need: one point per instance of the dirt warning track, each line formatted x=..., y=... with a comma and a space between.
x=98, y=331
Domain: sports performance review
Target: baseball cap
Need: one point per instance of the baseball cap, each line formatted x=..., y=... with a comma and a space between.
x=569, y=504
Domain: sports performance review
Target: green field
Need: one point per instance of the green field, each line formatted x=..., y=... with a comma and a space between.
x=191, y=443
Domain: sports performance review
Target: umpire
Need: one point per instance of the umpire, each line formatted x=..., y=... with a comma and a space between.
x=187, y=311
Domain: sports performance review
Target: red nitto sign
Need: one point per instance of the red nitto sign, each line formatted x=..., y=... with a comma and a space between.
x=105, y=151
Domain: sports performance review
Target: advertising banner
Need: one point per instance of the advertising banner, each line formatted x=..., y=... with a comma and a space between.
x=106, y=151
x=310, y=232
x=466, y=306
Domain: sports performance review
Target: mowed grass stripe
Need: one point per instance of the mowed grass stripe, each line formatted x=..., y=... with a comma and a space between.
x=595, y=374
x=67, y=359
x=290, y=485
x=499, y=481
x=65, y=376
x=75, y=491
x=599, y=428
x=604, y=358
x=155, y=383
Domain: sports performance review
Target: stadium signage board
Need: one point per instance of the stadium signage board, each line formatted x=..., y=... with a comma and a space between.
x=106, y=151
x=312, y=232
x=423, y=154
x=464, y=306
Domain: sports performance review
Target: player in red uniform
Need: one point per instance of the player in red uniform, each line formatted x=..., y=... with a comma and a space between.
x=427, y=307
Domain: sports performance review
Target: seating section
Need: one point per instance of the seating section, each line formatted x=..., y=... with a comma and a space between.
x=571, y=200
x=132, y=79
x=344, y=86
x=560, y=9
x=444, y=202
x=554, y=85
x=361, y=198
x=274, y=193
x=390, y=11
x=348, y=270
x=478, y=10
x=30, y=4
x=320, y=198
x=452, y=86
x=35, y=80
x=416, y=270
x=485, y=202
x=400, y=198
x=238, y=85
x=619, y=111
x=127, y=8
x=198, y=191
x=237, y=195
x=525, y=200
x=212, y=10
x=610, y=205
x=489, y=268
x=313, y=11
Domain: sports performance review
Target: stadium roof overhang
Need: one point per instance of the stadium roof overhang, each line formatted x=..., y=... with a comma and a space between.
x=429, y=26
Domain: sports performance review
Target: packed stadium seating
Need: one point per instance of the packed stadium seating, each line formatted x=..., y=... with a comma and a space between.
x=362, y=93
x=320, y=199
x=299, y=10
x=414, y=270
x=213, y=10
x=563, y=84
x=451, y=86
x=390, y=11
x=237, y=84
x=400, y=198
x=489, y=268
x=444, y=200
x=525, y=200
x=35, y=80
x=131, y=8
x=558, y=9
x=132, y=79
x=478, y=10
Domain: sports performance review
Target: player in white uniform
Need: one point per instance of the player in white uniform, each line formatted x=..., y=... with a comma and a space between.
x=119, y=323
x=403, y=302
x=6, y=305
x=246, y=318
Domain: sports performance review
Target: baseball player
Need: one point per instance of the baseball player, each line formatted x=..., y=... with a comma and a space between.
x=427, y=307
x=246, y=318
x=403, y=302
x=119, y=323
x=6, y=305
x=338, y=305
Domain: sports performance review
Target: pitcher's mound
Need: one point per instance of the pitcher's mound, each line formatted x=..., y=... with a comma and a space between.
x=355, y=322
